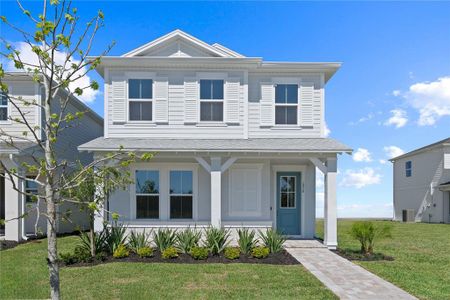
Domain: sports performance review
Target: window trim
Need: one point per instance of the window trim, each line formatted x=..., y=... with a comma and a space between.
x=212, y=76
x=138, y=75
x=169, y=195
x=30, y=190
x=297, y=105
x=151, y=194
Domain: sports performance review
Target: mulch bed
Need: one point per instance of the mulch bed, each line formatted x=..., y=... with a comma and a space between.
x=281, y=258
x=358, y=256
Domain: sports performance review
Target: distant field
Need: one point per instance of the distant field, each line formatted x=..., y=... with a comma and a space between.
x=421, y=252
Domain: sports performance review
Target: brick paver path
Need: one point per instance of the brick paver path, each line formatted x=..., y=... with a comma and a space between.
x=346, y=279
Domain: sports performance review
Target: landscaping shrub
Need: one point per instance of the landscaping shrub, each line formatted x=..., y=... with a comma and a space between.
x=272, y=240
x=169, y=252
x=260, y=252
x=121, y=251
x=216, y=239
x=187, y=239
x=199, y=253
x=68, y=258
x=232, y=252
x=366, y=233
x=145, y=252
x=247, y=240
x=80, y=254
x=100, y=238
x=116, y=235
x=164, y=238
x=137, y=241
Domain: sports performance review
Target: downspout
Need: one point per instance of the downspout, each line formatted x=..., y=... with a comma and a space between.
x=23, y=235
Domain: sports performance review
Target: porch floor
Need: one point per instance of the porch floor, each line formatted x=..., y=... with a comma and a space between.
x=344, y=278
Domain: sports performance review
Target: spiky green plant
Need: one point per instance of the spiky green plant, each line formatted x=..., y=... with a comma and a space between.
x=216, y=239
x=138, y=240
x=164, y=238
x=187, y=239
x=273, y=240
x=247, y=240
x=116, y=236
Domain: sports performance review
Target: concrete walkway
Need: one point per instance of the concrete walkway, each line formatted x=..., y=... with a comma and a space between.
x=346, y=279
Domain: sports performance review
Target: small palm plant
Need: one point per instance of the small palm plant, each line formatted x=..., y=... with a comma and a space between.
x=247, y=240
x=366, y=233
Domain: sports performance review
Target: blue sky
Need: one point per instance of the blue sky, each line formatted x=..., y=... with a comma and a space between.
x=392, y=93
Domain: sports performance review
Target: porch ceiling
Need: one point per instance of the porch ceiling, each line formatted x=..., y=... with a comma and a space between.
x=266, y=145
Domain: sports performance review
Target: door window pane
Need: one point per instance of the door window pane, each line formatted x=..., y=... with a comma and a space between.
x=287, y=191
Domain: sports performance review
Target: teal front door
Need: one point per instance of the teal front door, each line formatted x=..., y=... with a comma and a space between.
x=288, y=202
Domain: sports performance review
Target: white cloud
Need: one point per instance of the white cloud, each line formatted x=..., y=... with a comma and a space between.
x=398, y=119
x=393, y=151
x=327, y=130
x=396, y=93
x=382, y=161
x=430, y=99
x=30, y=57
x=362, y=155
x=360, y=178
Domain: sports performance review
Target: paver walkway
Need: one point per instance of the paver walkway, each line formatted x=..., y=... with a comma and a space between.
x=346, y=279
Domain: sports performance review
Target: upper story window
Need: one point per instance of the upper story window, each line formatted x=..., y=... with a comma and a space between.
x=211, y=100
x=286, y=104
x=140, y=96
x=181, y=194
x=408, y=168
x=147, y=194
x=3, y=107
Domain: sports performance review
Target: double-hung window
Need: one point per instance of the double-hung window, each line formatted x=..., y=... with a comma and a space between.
x=408, y=168
x=31, y=191
x=211, y=100
x=3, y=107
x=147, y=194
x=140, y=97
x=181, y=194
x=286, y=104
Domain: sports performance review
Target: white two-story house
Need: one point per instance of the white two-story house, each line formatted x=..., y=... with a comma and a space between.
x=237, y=139
x=14, y=150
x=422, y=184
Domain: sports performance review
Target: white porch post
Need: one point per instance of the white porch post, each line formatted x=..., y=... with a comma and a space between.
x=330, y=209
x=216, y=192
x=13, y=230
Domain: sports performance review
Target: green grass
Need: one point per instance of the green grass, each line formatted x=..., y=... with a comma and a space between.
x=23, y=274
x=421, y=252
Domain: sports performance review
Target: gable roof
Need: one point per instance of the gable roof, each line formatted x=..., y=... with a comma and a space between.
x=177, y=34
x=422, y=149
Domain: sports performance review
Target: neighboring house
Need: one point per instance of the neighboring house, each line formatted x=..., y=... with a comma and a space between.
x=422, y=184
x=237, y=139
x=12, y=203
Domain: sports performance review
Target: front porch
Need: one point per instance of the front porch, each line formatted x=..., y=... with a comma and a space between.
x=180, y=190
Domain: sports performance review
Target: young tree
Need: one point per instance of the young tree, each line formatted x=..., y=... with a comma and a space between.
x=61, y=49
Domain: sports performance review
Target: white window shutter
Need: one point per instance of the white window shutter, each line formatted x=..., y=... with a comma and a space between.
x=161, y=99
x=190, y=100
x=119, y=99
x=447, y=161
x=306, y=112
x=232, y=95
x=267, y=107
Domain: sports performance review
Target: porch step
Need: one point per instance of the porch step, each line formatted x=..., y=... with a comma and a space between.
x=303, y=244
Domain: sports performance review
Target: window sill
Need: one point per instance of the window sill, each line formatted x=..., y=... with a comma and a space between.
x=211, y=124
x=140, y=123
x=285, y=127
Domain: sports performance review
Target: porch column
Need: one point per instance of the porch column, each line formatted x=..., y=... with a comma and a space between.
x=330, y=209
x=13, y=226
x=216, y=191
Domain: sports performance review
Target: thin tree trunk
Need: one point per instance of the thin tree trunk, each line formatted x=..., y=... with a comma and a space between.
x=52, y=252
x=91, y=234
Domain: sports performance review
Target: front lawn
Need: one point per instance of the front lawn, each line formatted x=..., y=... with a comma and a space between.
x=421, y=254
x=23, y=274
